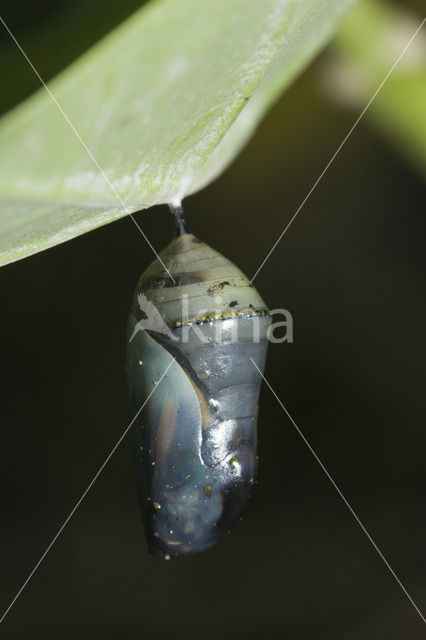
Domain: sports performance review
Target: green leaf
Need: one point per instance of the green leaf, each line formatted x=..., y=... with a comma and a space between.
x=163, y=103
x=364, y=51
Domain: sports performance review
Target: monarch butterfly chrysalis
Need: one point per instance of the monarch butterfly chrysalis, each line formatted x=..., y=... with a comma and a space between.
x=194, y=441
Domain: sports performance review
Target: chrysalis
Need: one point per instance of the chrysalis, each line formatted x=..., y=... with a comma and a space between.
x=194, y=441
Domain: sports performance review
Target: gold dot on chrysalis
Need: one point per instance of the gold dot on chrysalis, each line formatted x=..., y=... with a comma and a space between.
x=208, y=490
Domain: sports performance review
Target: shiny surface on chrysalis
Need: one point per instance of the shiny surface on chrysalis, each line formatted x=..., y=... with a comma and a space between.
x=194, y=442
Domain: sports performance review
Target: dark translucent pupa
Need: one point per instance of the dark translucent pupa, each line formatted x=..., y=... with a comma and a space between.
x=194, y=441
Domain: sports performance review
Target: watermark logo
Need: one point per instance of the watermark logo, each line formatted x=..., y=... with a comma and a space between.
x=224, y=320
x=153, y=320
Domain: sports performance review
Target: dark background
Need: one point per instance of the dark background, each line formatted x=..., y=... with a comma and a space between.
x=350, y=270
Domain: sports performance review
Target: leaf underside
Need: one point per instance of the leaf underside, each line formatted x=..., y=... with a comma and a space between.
x=163, y=104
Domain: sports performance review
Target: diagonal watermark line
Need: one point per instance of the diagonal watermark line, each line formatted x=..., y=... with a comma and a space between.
x=92, y=482
x=339, y=148
x=92, y=157
x=340, y=493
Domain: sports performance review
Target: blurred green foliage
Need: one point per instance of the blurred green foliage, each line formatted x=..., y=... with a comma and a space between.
x=365, y=50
